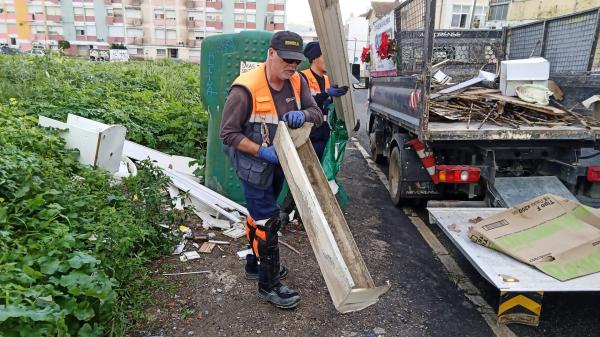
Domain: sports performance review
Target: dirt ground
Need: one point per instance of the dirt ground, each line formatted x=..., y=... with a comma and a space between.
x=421, y=302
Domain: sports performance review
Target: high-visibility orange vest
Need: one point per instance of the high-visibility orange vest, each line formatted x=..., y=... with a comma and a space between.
x=313, y=84
x=263, y=105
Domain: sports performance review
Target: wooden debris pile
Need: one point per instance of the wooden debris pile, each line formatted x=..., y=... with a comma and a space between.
x=483, y=106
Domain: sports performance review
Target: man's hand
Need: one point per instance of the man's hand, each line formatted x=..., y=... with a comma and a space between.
x=268, y=154
x=336, y=91
x=294, y=119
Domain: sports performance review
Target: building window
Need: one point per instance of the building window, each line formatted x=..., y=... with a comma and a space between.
x=460, y=16
x=161, y=52
x=79, y=31
x=159, y=14
x=239, y=18
x=78, y=11
x=498, y=12
x=278, y=19
x=13, y=41
x=170, y=15
x=250, y=17
x=160, y=34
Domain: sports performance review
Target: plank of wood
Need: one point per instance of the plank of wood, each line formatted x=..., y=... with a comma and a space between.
x=341, y=264
x=207, y=248
x=330, y=30
x=546, y=109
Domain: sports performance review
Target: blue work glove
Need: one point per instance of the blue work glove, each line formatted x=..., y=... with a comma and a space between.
x=268, y=154
x=294, y=119
x=336, y=91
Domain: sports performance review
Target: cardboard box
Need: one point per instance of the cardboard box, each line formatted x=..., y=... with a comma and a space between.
x=513, y=73
x=560, y=237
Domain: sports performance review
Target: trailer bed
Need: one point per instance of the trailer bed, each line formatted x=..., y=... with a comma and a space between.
x=492, y=264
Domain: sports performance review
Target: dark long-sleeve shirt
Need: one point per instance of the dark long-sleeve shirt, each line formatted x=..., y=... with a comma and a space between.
x=238, y=108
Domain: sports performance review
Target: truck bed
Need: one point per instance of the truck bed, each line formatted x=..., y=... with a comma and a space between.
x=462, y=131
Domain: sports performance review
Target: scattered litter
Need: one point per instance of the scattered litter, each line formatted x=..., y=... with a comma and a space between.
x=441, y=77
x=508, y=278
x=290, y=247
x=187, y=256
x=188, y=273
x=187, y=232
x=212, y=235
x=534, y=93
x=200, y=238
x=195, y=245
x=180, y=247
x=242, y=253
x=476, y=220
x=209, y=222
x=452, y=227
x=483, y=76
x=379, y=331
x=207, y=248
x=217, y=242
x=236, y=231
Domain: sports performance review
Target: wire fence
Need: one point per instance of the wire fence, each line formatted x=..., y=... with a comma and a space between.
x=569, y=43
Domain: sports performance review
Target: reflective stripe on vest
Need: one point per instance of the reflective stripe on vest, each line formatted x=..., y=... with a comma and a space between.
x=263, y=105
x=313, y=84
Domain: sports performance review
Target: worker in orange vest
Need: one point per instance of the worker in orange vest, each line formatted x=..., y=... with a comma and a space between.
x=322, y=92
x=256, y=102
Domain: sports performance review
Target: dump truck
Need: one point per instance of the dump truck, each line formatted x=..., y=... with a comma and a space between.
x=438, y=158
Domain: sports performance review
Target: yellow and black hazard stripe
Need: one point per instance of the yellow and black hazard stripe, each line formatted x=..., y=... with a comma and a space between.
x=523, y=308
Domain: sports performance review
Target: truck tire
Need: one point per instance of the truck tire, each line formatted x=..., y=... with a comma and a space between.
x=395, y=176
x=376, y=153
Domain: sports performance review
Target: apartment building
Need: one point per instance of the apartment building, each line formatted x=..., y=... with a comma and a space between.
x=513, y=12
x=150, y=29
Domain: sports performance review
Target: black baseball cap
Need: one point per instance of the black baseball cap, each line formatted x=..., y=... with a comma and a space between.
x=288, y=45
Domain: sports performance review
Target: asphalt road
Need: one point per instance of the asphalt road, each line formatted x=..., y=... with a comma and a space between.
x=563, y=314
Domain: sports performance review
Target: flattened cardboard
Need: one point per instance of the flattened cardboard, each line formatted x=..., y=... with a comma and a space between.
x=557, y=236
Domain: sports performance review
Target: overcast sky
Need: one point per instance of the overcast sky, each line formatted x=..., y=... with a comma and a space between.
x=298, y=11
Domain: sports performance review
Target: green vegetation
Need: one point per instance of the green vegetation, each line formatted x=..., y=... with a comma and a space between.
x=73, y=245
x=158, y=102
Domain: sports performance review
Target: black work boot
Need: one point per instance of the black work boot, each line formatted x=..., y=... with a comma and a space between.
x=279, y=296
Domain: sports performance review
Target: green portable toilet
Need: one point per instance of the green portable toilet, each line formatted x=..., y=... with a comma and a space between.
x=221, y=60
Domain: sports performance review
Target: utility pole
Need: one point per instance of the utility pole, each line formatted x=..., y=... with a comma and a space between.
x=473, y=14
x=354, y=58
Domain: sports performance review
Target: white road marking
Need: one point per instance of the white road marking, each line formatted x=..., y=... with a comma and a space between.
x=457, y=275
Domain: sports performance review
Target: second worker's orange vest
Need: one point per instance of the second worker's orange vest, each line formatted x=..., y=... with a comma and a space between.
x=313, y=84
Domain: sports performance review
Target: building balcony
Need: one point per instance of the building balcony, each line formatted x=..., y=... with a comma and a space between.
x=85, y=38
x=194, y=43
x=275, y=7
x=170, y=22
x=239, y=5
x=115, y=39
x=37, y=37
x=166, y=3
x=55, y=37
x=78, y=18
x=250, y=25
x=90, y=18
x=42, y=17
x=133, y=3
x=250, y=5
x=214, y=4
x=110, y=2
x=8, y=16
x=195, y=4
x=239, y=25
x=135, y=40
x=134, y=21
x=214, y=24
x=159, y=22
x=195, y=24
x=114, y=19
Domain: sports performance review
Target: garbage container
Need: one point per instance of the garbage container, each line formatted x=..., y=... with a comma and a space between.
x=222, y=58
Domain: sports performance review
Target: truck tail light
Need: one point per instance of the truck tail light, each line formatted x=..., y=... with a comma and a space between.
x=593, y=174
x=458, y=174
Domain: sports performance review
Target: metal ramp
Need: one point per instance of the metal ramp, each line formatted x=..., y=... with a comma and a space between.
x=521, y=286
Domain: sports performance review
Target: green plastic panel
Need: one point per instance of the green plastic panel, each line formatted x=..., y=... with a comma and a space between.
x=220, y=66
